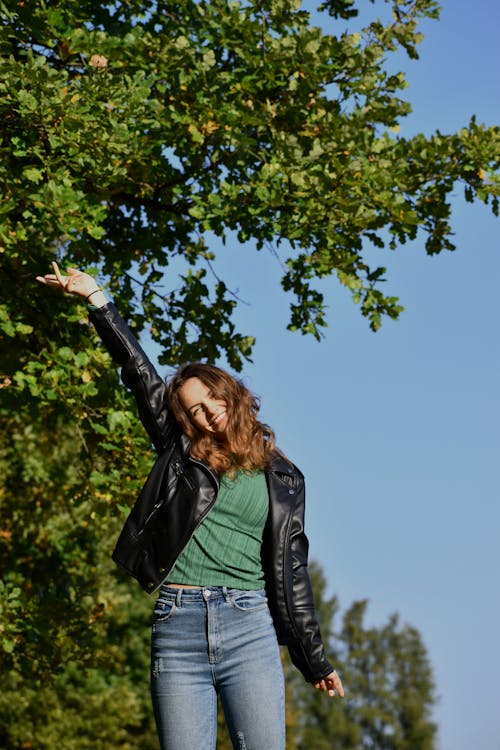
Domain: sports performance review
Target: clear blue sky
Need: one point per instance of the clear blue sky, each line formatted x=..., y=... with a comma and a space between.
x=398, y=432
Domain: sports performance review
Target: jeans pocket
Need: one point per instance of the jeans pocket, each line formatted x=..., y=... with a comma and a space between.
x=163, y=610
x=248, y=601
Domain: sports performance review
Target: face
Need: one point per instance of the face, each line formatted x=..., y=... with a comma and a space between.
x=205, y=411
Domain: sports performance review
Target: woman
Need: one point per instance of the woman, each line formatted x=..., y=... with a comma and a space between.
x=218, y=531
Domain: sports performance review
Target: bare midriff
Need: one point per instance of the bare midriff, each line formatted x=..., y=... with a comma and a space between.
x=182, y=586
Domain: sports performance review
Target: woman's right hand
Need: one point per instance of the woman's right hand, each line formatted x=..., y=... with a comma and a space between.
x=76, y=282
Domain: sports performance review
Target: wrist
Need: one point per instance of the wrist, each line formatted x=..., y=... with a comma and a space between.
x=97, y=298
x=95, y=291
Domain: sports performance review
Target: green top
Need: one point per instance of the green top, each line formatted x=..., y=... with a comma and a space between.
x=225, y=548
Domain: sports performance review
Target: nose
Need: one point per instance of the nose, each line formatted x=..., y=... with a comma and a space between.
x=217, y=406
x=212, y=409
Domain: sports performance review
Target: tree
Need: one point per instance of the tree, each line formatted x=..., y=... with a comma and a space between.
x=134, y=134
x=73, y=632
x=392, y=683
x=390, y=689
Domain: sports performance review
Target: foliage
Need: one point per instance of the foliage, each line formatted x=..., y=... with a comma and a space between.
x=74, y=633
x=134, y=134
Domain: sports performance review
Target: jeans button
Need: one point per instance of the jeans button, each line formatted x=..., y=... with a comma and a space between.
x=207, y=594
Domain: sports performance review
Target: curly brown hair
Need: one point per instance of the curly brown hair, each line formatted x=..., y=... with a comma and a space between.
x=246, y=444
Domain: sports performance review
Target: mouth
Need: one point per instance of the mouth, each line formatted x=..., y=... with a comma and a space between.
x=218, y=418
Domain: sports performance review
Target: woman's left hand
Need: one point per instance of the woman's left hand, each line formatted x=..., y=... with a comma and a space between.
x=75, y=282
x=331, y=684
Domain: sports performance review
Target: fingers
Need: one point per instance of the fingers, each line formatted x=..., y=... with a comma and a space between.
x=337, y=685
x=56, y=279
x=331, y=684
x=53, y=279
x=334, y=683
x=74, y=282
x=58, y=274
x=49, y=279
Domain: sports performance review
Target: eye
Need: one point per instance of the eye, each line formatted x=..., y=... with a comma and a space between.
x=195, y=411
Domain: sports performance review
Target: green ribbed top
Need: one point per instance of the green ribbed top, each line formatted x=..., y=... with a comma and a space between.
x=225, y=548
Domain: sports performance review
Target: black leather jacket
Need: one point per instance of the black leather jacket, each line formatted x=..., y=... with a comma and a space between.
x=179, y=493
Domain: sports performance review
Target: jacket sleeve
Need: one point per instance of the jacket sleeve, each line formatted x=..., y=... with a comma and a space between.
x=138, y=374
x=306, y=649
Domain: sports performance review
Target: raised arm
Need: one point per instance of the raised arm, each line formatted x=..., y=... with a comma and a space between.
x=138, y=374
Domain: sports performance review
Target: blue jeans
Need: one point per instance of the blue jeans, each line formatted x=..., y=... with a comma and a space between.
x=216, y=641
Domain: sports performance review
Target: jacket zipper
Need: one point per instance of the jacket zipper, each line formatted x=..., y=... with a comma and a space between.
x=178, y=470
x=153, y=511
x=177, y=467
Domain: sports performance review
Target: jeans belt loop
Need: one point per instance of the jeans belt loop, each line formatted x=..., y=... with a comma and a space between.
x=178, y=597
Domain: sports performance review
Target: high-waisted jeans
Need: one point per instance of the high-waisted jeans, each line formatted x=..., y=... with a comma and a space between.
x=216, y=641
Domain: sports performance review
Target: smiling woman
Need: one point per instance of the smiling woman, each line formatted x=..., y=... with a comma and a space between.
x=218, y=530
x=206, y=411
x=219, y=415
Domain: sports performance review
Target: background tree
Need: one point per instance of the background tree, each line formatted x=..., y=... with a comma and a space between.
x=390, y=690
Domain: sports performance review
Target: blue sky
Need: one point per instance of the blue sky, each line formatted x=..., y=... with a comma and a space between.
x=398, y=432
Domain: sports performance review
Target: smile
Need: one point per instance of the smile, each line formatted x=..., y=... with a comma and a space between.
x=215, y=421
